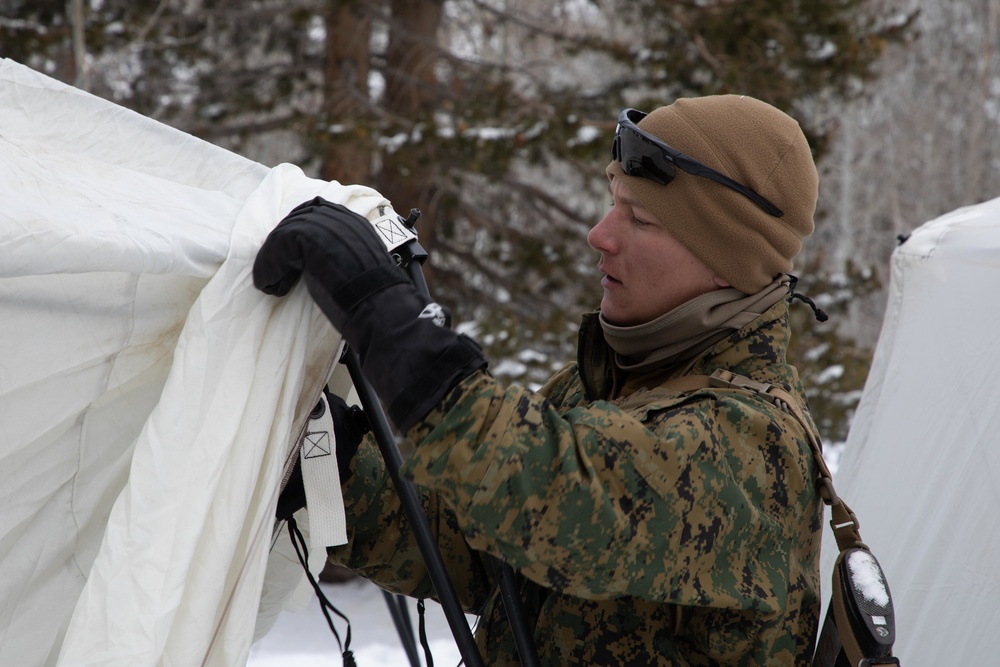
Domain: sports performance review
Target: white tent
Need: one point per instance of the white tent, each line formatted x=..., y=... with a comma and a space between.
x=148, y=393
x=922, y=463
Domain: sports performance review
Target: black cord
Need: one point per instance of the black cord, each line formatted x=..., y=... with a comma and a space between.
x=302, y=551
x=817, y=311
x=422, y=630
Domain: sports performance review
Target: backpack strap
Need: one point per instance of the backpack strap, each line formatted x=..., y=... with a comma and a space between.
x=861, y=621
x=863, y=615
x=845, y=523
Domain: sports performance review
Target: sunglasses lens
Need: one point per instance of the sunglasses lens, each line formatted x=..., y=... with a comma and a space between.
x=640, y=158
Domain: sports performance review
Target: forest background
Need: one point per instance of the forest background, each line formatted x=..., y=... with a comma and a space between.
x=494, y=118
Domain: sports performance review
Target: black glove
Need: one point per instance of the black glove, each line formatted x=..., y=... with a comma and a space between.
x=336, y=248
x=411, y=358
x=349, y=426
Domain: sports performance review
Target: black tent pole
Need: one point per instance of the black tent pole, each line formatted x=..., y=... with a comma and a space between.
x=401, y=619
x=414, y=512
x=506, y=580
x=410, y=257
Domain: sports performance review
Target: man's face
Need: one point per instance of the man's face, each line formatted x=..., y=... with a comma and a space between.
x=647, y=272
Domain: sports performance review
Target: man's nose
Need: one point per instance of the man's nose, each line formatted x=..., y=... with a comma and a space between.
x=599, y=236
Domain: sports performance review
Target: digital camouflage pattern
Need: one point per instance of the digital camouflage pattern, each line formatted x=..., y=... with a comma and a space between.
x=648, y=528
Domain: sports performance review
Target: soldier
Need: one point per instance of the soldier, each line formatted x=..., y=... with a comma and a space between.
x=650, y=518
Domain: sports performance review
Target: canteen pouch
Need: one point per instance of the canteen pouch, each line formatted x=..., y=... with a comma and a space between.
x=863, y=610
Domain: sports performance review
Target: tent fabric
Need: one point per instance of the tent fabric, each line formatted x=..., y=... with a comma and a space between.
x=148, y=393
x=921, y=464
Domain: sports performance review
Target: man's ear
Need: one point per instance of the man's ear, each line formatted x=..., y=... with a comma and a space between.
x=720, y=281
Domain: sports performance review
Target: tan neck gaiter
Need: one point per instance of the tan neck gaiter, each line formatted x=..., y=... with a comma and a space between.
x=690, y=328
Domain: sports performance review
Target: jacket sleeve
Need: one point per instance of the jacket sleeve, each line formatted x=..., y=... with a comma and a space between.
x=381, y=543
x=692, y=502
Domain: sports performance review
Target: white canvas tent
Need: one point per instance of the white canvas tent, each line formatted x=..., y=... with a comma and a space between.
x=148, y=393
x=921, y=466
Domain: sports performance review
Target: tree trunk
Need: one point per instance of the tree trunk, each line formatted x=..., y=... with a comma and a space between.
x=77, y=17
x=408, y=175
x=411, y=83
x=347, y=153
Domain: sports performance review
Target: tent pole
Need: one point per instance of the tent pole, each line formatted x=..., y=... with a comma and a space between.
x=401, y=619
x=410, y=502
x=410, y=256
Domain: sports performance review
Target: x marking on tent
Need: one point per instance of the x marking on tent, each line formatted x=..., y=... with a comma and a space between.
x=317, y=444
x=391, y=231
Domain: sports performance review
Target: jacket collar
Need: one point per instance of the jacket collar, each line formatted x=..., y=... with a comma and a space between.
x=749, y=351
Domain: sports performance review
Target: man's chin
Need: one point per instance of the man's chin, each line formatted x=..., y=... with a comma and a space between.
x=621, y=318
x=612, y=315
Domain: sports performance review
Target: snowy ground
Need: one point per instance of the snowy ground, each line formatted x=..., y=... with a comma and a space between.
x=303, y=639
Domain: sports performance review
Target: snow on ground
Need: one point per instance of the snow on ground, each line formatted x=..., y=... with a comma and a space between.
x=303, y=639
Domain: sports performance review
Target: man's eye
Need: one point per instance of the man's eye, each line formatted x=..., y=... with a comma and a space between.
x=639, y=223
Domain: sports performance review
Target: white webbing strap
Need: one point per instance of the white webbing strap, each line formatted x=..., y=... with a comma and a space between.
x=321, y=480
x=386, y=223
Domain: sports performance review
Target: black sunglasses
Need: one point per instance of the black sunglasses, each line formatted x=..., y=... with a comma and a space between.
x=643, y=155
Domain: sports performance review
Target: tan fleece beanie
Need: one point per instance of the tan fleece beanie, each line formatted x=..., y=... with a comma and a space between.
x=754, y=144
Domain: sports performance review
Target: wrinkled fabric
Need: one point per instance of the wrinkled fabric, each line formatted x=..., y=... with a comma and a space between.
x=679, y=531
x=149, y=394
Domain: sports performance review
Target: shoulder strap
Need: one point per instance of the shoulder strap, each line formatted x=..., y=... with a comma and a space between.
x=860, y=623
x=863, y=620
x=844, y=522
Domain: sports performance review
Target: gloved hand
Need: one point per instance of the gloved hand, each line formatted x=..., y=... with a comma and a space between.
x=408, y=354
x=349, y=427
x=342, y=258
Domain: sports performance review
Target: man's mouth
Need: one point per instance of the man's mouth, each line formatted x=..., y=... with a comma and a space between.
x=609, y=280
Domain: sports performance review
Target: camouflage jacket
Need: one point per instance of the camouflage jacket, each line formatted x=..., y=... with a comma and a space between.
x=679, y=529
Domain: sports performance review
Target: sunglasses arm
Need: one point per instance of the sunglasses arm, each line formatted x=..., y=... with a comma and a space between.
x=696, y=168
